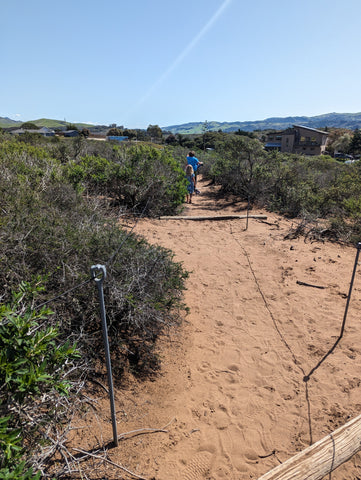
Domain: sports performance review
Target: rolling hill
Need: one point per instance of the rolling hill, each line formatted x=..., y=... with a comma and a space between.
x=6, y=122
x=331, y=120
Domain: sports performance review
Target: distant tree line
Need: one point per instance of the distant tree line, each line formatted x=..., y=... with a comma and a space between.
x=319, y=190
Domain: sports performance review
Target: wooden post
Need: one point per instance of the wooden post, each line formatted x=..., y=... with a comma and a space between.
x=212, y=217
x=322, y=457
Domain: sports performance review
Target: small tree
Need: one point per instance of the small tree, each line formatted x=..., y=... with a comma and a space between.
x=130, y=133
x=155, y=132
x=115, y=132
x=205, y=129
x=171, y=140
x=355, y=144
x=71, y=126
x=29, y=126
x=239, y=166
x=343, y=143
x=141, y=134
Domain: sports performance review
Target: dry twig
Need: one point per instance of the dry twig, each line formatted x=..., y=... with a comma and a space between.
x=110, y=462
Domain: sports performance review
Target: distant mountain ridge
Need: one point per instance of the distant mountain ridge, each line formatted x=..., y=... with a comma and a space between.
x=6, y=122
x=331, y=120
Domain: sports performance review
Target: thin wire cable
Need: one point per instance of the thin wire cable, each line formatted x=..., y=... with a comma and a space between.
x=268, y=308
x=76, y=287
x=307, y=377
x=63, y=294
x=296, y=362
x=111, y=258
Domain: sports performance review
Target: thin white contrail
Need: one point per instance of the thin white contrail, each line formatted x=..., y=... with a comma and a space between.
x=183, y=54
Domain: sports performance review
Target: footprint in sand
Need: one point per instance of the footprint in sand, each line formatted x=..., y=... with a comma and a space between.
x=204, y=367
x=199, y=467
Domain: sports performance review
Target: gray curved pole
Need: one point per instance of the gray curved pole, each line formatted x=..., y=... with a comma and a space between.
x=97, y=270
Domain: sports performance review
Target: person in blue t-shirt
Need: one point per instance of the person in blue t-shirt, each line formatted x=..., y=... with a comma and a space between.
x=193, y=160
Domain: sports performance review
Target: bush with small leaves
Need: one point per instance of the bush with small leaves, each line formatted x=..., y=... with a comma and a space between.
x=34, y=367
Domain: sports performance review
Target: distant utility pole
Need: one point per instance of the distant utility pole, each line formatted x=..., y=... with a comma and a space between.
x=205, y=128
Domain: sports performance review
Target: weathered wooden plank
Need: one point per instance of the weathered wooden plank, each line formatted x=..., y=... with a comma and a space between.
x=321, y=458
x=210, y=217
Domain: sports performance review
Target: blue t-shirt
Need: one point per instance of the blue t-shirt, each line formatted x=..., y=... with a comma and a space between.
x=194, y=162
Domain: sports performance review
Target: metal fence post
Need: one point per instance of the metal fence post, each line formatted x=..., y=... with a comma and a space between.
x=350, y=289
x=98, y=273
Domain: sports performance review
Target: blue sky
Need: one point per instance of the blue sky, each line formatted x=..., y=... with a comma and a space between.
x=164, y=62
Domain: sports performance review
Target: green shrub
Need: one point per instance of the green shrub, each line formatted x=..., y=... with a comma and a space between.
x=19, y=472
x=33, y=366
x=140, y=178
x=293, y=185
x=29, y=356
x=47, y=229
x=52, y=233
x=93, y=173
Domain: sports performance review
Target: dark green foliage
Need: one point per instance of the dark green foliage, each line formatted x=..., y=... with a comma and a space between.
x=141, y=178
x=47, y=229
x=355, y=146
x=117, y=132
x=72, y=126
x=155, y=132
x=294, y=185
x=239, y=167
x=32, y=138
x=92, y=172
x=33, y=365
x=131, y=133
x=171, y=140
x=244, y=133
x=29, y=126
x=29, y=356
x=150, y=180
x=19, y=472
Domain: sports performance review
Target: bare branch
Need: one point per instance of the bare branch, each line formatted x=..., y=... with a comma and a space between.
x=110, y=462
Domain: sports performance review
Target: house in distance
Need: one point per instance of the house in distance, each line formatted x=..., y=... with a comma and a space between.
x=298, y=139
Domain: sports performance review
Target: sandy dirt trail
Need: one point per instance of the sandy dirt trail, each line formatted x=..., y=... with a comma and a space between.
x=232, y=383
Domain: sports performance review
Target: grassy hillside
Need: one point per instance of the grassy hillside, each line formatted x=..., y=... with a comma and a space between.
x=331, y=120
x=6, y=122
x=58, y=124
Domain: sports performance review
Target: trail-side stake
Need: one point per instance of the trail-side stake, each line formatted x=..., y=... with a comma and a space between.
x=98, y=273
x=211, y=217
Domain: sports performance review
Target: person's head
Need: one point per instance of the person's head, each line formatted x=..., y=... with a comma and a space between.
x=191, y=154
x=189, y=170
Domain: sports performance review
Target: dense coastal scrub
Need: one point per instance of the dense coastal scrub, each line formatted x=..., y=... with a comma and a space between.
x=55, y=224
x=319, y=190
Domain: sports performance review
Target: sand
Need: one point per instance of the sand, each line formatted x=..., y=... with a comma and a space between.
x=231, y=395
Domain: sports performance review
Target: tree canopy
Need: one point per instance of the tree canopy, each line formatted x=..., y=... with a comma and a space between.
x=155, y=132
x=29, y=126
